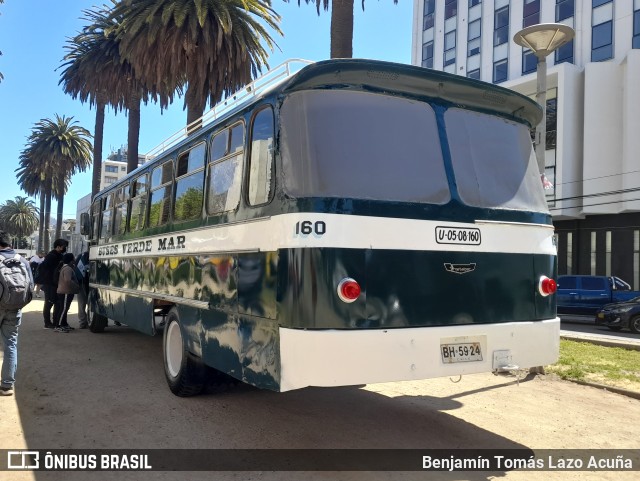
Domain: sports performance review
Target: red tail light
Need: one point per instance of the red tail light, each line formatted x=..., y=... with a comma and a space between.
x=547, y=286
x=348, y=290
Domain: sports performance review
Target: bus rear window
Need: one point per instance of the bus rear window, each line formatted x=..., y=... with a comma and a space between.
x=361, y=146
x=493, y=162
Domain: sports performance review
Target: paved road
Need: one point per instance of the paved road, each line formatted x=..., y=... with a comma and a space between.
x=83, y=390
x=584, y=327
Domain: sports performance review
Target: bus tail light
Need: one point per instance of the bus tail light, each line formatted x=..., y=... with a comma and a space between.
x=348, y=290
x=547, y=286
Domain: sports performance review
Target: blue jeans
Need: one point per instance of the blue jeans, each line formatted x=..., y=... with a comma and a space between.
x=9, y=323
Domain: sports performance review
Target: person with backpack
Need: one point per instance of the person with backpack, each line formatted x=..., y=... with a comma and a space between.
x=16, y=286
x=68, y=286
x=45, y=279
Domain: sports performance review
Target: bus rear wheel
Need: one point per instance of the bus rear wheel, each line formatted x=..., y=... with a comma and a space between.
x=184, y=371
x=97, y=322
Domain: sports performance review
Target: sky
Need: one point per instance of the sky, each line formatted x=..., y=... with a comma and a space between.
x=32, y=39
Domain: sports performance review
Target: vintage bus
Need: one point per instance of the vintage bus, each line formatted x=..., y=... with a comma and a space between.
x=351, y=222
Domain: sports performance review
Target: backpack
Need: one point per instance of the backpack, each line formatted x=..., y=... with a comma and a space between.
x=16, y=290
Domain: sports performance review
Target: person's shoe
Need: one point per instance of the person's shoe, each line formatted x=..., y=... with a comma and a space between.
x=83, y=326
x=61, y=329
x=6, y=391
x=48, y=326
x=68, y=327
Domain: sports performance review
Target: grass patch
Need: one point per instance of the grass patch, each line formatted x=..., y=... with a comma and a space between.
x=612, y=366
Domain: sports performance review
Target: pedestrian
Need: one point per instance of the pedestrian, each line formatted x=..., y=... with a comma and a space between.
x=10, y=317
x=45, y=279
x=82, y=274
x=68, y=286
x=34, y=262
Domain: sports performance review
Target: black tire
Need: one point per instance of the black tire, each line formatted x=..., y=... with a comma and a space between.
x=185, y=372
x=615, y=328
x=634, y=324
x=96, y=322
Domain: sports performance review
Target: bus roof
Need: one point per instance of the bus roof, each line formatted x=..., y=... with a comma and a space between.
x=415, y=81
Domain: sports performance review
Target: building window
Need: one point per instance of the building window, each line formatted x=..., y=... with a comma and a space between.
x=123, y=169
x=111, y=168
x=473, y=44
x=569, y=253
x=427, y=55
x=608, y=253
x=565, y=53
x=602, y=41
x=473, y=3
x=593, y=254
x=474, y=74
x=552, y=116
x=531, y=13
x=450, y=8
x=501, y=26
x=636, y=30
x=529, y=62
x=597, y=3
x=449, y=48
x=429, y=9
x=564, y=9
x=500, y=71
x=110, y=180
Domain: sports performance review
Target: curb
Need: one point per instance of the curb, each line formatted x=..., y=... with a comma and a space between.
x=603, y=342
x=617, y=390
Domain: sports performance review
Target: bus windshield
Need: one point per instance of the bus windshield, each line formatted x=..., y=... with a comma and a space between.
x=493, y=162
x=337, y=143
x=359, y=145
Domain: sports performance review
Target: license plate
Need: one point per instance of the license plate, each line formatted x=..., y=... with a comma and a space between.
x=462, y=349
x=458, y=235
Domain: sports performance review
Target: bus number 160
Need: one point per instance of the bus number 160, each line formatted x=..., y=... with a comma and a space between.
x=307, y=227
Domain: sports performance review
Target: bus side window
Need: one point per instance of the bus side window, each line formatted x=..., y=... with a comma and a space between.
x=95, y=219
x=121, y=210
x=161, y=193
x=190, y=184
x=225, y=170
x=138, y=203
x=107, y=219
x=261, y=157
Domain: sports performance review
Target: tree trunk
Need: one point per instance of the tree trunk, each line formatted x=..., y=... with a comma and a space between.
x=133, y=138
x=47, y=216
x=341, y=28
x=60, y=213
x=42, y=223
x=98, y=137
x=195, y=109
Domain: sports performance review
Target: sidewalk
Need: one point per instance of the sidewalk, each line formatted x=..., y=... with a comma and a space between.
x=610, y=340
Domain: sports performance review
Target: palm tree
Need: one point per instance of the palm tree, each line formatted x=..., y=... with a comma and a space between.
x=33, y=180
x=55, y=151
x=341, y=25
x=214, y=46
x=19, y=217
x=94, y=71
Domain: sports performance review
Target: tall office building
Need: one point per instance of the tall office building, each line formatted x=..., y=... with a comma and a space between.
x=593, y=99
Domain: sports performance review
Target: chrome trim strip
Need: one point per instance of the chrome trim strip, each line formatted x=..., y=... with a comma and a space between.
x=501, y=222
x=154, y=295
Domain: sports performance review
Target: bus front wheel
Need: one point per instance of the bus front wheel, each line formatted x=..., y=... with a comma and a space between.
x=185, y=372
x=96, y=322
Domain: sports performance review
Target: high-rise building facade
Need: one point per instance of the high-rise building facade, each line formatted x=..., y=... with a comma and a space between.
x=593, y=98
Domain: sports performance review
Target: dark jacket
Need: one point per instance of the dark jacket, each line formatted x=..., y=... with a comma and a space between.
x=48, y=265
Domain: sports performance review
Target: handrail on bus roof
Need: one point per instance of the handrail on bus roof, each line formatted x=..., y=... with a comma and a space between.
x=259, y=85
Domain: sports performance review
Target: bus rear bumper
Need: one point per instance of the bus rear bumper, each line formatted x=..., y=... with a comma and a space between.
x=364, y=356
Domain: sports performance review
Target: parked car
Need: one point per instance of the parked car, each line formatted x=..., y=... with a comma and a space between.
x=621, y=315
x=587, y=294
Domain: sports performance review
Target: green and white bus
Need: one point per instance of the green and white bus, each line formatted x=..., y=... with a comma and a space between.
x=348, y=222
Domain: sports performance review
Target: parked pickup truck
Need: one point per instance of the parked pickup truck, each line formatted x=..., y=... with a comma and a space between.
x=587, y=294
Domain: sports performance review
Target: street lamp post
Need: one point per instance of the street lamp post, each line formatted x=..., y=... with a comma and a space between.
x=543, y=39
